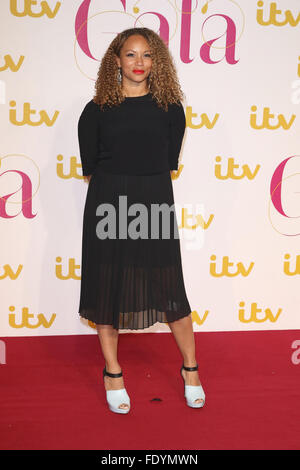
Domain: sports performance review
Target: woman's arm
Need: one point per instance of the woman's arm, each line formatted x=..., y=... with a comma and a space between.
x=177, y=124
x=88, y=138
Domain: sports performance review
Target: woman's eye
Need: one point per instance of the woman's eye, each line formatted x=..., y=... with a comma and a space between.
x=131, y=53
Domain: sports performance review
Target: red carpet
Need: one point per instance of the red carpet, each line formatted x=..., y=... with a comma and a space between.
x=52, y=393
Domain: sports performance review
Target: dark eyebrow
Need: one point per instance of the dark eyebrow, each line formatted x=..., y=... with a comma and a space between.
x=126, y=50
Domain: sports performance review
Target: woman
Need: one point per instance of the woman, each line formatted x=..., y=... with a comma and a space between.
x=130, y=137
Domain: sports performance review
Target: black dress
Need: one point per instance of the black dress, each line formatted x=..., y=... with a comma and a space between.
x=132, y=278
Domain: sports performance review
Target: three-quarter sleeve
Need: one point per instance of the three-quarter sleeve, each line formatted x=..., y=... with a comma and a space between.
x=88, y=137
x=177, y=123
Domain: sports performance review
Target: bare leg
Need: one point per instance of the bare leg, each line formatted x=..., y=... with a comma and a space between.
x=108, y=337
x=182, y=330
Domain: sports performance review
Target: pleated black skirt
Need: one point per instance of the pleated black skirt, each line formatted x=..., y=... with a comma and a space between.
x=132, y=278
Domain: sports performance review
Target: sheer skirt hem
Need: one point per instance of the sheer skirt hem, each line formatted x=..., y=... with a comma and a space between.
x=136, y=320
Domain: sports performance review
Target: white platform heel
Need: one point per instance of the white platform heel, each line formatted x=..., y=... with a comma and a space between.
x=116, y=397
x=193, y=392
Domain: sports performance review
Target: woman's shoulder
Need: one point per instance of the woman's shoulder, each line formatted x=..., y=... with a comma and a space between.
x=91, y=106
x=176, y=110
x=175, y=106
x=90, y=111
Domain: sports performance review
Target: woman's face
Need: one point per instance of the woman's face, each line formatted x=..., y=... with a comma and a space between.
x=135, y=56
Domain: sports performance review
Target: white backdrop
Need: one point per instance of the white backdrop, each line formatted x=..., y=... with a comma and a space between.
x=238, y=65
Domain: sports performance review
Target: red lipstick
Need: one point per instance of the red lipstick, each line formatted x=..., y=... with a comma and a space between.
x=138, y=71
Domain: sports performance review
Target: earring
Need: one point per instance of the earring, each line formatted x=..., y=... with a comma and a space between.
x=119, y=77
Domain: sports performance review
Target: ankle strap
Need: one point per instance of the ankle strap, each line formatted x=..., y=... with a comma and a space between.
x=119, y=374
x=191, y=369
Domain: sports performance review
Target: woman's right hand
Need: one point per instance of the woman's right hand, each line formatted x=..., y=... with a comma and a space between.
x=87, y=178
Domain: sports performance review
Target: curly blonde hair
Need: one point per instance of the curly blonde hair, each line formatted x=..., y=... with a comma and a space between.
x=163, y=81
